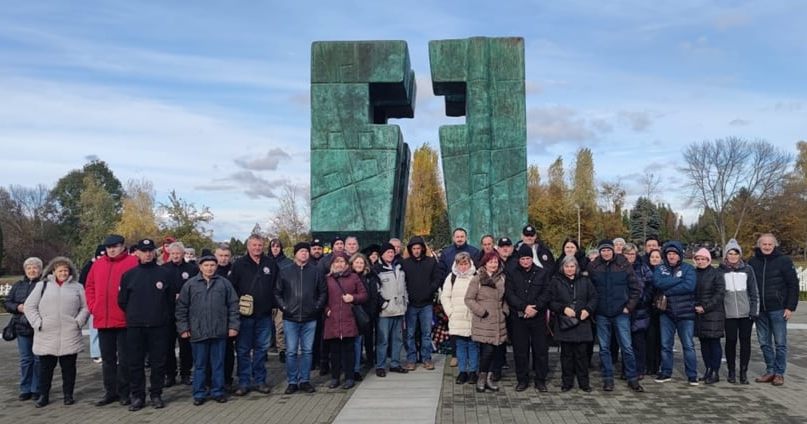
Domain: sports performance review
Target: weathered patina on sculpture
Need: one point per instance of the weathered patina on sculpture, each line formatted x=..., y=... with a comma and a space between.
x=359, y=165
x=484, y=160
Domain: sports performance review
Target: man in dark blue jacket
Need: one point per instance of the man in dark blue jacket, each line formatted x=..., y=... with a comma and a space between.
x=677, y=281
x=778, y=286
x=618, y=291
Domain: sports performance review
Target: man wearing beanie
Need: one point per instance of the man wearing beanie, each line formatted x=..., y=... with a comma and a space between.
x=394, y=301
x=301, y=294
x=527, y=295
x=618, y=293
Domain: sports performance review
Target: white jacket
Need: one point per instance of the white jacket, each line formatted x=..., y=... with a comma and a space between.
x=57, y=316
x=452, y=297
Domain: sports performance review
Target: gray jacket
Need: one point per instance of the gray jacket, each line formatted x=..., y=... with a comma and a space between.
x=742, y=298
x=57, y=315
x=392, y=290
x=207, y=309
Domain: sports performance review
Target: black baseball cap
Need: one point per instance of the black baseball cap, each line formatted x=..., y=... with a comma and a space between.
x=504, y=241
x=145, y=245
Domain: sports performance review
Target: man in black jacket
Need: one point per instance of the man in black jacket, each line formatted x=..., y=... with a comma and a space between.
x=422, y=280
x=778, y=286
x=527, y=295
x=147, y=297
x=254, y=276
x=301, y=294
x=180, y=271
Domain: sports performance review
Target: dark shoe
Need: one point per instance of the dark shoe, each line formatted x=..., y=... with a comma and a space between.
x=497, y=375
x=282, y=357
x=541, y=386
x=380, y=372
x=307, y=387
x=333, y=384
x=565, y=388
x=42, y=401
x=608, y=386
x=706, y=374
x=778, y=380
x=462, y=378
x=291, y=389
x=187, y=380
x=714, y=377
x=241, y=391
x=125, y=402
x=662, y=378
x=767, y=378
x=220, y=399
x=25, y=396
x=399, y=370
x=106, y=400
x=521, y=386
x=35, y=396
x=157, y=402
x=732, y=377
x=198, y=401
x=324, y=370
x=170, y=381
x=586, y=389
x=68, y=400
x=348, y=384
x=743, y=376
x=137, y=405
x=635, y=386
x=357, y=376
x=693, y=381
x=263, y=388
x=473, y=378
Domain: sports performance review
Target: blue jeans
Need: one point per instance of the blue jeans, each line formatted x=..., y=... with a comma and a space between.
x=208, y=352
x=299, y=337
x=423, y=316
x=95, y=348
x=686, y=329
x=773, y=324
x=620, y=325
x=467, y=354
x=29, y=365
x=389, y=332
x=251, y=345
x=357, y=344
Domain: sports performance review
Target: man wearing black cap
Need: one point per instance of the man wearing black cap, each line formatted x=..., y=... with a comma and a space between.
x=541, y=255
x=102, y=287
x=301, y=294
x=527, y=295
x=316, y=251
x=147, y=297
x=207, y=313
x=618, y=290
x=504, y=247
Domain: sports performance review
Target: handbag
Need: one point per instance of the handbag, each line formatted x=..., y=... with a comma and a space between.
x=10, y=331
x=246, y=305
x=567, y=323
x=660, y=302
x=359, y=314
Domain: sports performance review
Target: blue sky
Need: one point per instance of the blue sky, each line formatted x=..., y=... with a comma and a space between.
x=211, y=98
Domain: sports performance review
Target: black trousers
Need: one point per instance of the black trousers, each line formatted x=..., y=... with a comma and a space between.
x=574, y=362
x=343, y=358
x=152, y=341
x=639, y=343
x=486, y=353
x=115, y=369
x=530, y=335
x=653, y=344
x=322, y=350
x=738, y=329
x=369, y=341
x=185, y=356
x=500, y=356
x=47, y=364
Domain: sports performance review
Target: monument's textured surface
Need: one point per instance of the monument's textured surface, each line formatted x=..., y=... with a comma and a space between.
x=359, y=165
x=485, y=160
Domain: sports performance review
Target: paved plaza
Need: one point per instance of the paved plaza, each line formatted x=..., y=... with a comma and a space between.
x=412, y=398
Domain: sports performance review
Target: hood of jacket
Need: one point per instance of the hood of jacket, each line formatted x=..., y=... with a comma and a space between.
x=469, y=272
x=675, y=246
x=413, y=242
x=60, y=259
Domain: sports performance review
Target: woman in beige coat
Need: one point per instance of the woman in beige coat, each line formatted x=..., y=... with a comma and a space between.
x=485, y=299
x=57, y=309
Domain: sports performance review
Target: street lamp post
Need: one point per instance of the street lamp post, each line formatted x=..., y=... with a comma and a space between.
x=578, y=223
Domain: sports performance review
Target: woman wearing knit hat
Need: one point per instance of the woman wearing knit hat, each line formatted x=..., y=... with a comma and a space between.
x=741, y=304
x=710, y=289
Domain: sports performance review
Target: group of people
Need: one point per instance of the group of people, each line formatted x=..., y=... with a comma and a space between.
x=331, y=310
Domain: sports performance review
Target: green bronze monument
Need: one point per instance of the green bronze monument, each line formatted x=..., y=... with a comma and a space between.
x=359, y=164
x=484, y=160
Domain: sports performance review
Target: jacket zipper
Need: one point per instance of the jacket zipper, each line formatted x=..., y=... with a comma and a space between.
x=764, y=274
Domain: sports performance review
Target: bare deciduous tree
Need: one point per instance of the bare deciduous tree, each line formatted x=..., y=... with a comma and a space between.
x=291, y=221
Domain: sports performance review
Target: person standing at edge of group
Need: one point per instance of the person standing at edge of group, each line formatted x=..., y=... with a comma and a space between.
x=276, y=251
x=676, y=280
x=573, y=295
x=741, y=305
x=618, y=293
x=57, y=309
x=95, y=348
x=422, y=281
x=393, y=298
x=452, y=297
x=527, y=296
x=206, y=314
x=778, y=286
x=710, y=290
x=345, y=290
x=15, y=305
x=541, y=255
x=253, y=277
x=301, y=294
x=485, y=299
x=459, y=244
x=147, y=297
x=181, y=271
x=102, y=287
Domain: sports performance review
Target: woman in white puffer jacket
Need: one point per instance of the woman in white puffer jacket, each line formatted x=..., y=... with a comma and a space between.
x=452, y=297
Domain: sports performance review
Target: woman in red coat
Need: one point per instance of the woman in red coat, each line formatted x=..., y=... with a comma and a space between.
x=345, y=289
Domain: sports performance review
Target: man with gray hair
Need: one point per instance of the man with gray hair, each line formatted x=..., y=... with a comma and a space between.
x=181, y=271
x=778, y=286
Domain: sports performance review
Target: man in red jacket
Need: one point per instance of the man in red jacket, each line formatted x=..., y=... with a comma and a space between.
x=102, y=287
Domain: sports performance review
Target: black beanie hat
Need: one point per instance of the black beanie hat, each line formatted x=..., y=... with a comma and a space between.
x=524, y=250
x=302, y=245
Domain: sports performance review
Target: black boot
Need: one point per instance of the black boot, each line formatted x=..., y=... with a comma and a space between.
x=43, y=400
x=744, y=375
x=706, y=374
x=714, y=377
x=732, y=377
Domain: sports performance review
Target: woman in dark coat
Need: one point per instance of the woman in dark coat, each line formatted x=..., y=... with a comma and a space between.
x=710, y=314
x=362, y=266
x=340, y=330
x=573, y=295
x=15, y=304
x=653, y=335
x=640, y=317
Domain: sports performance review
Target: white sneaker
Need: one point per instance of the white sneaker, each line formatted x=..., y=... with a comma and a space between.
x=97, y=360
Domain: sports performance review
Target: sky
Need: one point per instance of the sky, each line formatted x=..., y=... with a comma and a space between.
x=211, y=99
